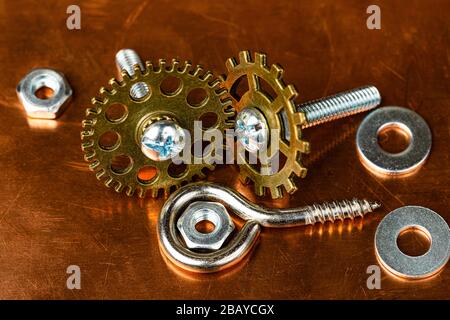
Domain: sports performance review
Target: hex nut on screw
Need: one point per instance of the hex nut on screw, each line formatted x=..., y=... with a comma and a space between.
x=52, y=107
x=199, y=211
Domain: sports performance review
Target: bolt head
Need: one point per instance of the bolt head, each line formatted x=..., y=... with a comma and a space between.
x=213, y=212
x=252, y=130
x=162, y=140
x=36, y=107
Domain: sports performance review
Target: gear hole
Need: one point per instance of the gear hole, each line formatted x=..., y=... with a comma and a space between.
x=171, y=86
x=197, y=97
x=116, y=113
x=109, y=140
x=239, y=87
x=267, y=89
x=177, y=170
x=121, y=164
x=209, y=120
x=147, y=174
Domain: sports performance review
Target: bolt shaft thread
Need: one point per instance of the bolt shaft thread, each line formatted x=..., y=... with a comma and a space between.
x=126, y=59
x=340, y=105
x=338, y=210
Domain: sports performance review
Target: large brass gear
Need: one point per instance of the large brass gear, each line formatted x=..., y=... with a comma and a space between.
x=155, y=106
x=279, y=112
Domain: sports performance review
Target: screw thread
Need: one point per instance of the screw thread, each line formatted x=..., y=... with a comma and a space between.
x=338, y=210
x=126, y=59
x=340, y=105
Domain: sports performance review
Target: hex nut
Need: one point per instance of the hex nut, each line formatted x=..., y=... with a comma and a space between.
x=213, y=212
x=49, y=108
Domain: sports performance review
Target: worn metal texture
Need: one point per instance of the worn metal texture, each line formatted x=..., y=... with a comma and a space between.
x=54, y=213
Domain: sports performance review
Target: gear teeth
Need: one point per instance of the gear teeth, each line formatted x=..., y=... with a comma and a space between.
x=216, y=83
x=98, y=102
x=197, y=71
x=208, y=76
x=137, y=70
x=305, y=146
x=186, y=67
x=167, y=191
x=299, y=170
x=114, y=83
x=261, y=59
x=260, y=190
x=175, y=65
x=290, y=92
x=162, y=64
x=154, y=193
x=88, y=122
x=118, y=187
x=129, y=190
x=149, y=67
x=93, y=111
x=87, y=144
x=87, y=133
x=230, y=64
x=290, y=186
x=276, y=192
x=244, y=57
x=300, y=119
x=276, y=71
x=105, y=91
x=125, y=75
x=108, y=182
x=94, y=165
x=89, y=155
x=101, y=173
x=141, y=192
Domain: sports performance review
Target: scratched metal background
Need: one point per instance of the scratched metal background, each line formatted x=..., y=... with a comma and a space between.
x=54, y=213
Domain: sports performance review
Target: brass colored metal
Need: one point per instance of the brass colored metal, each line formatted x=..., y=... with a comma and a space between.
x=273, y=109
x=139, y=113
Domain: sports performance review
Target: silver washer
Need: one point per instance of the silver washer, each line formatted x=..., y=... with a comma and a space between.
x=404, y=162
x=401, y=264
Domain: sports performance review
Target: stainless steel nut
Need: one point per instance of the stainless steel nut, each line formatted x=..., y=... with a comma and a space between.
x=49, y=108
x=213, y=212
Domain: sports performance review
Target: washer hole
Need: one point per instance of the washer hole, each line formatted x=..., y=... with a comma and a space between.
x=171, y=86
x=109, y=140
x=394, y=137
x=116, y=112
x=121, y=164
x=414, y=241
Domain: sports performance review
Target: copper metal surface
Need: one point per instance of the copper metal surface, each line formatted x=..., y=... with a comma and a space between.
x=54, y=213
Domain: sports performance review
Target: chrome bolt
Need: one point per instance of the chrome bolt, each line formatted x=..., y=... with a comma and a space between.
x=340, y=105
x=162, y=140
x=126, y=59
x=253, y=133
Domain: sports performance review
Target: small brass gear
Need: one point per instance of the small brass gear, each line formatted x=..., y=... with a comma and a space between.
x=280, y=113
x=138, y=113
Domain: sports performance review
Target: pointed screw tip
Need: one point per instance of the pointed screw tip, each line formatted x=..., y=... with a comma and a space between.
x=375, y=205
